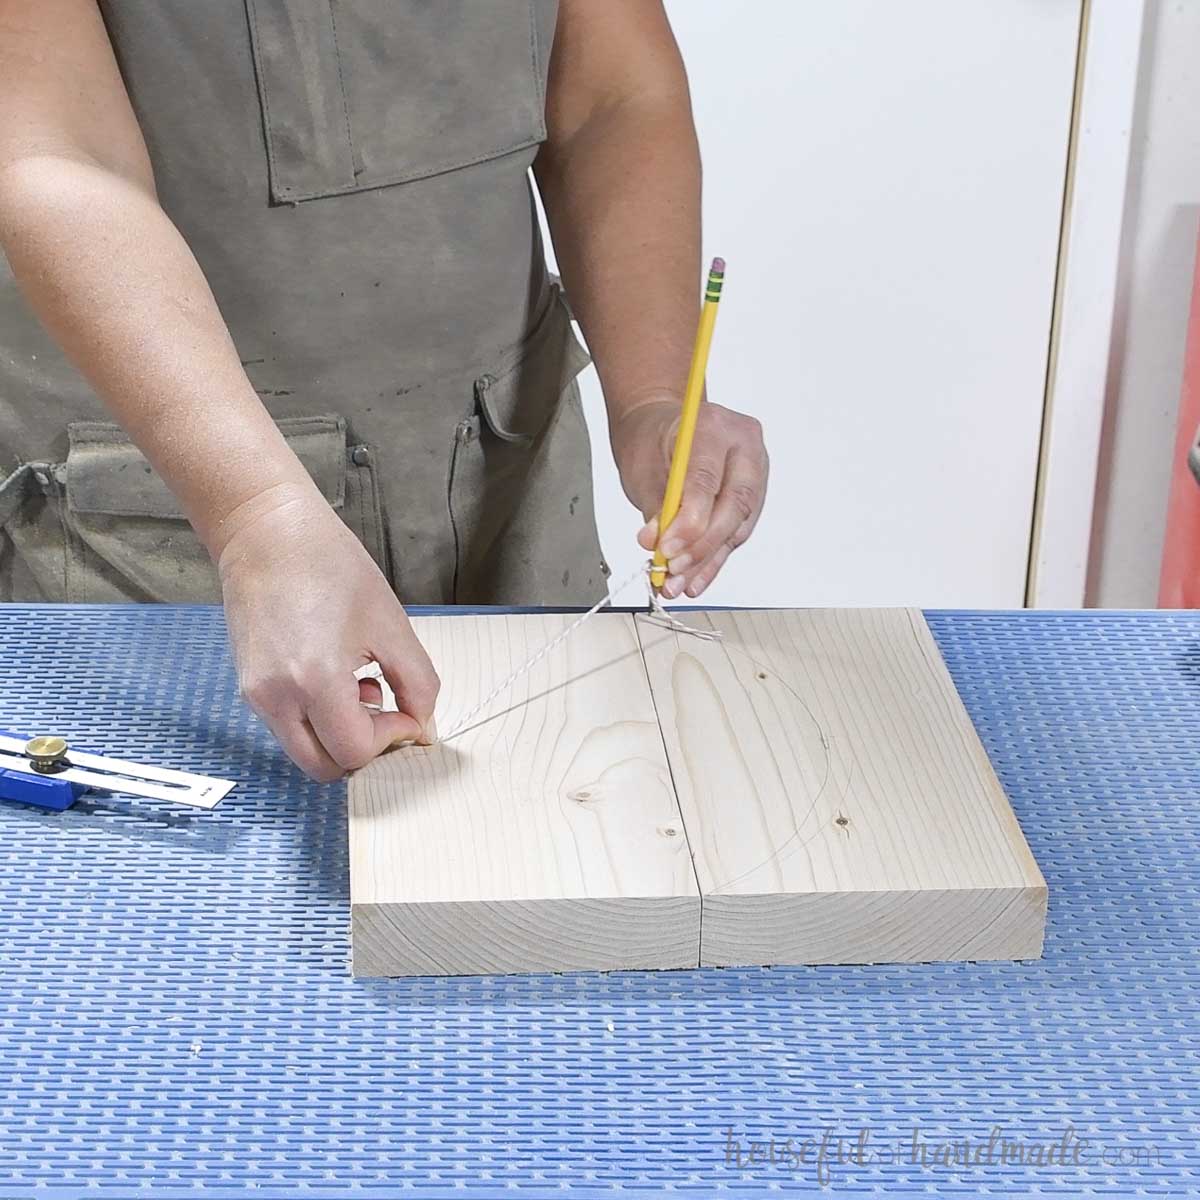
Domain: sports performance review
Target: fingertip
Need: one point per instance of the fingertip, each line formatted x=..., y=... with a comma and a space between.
x=422, y=714
x=416, y=685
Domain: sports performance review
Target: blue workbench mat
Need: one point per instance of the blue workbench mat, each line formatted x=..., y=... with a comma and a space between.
x=177, y=1018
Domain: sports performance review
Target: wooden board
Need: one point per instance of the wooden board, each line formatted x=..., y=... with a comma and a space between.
x=838, y=803
x=546, y=837
x=820, y=780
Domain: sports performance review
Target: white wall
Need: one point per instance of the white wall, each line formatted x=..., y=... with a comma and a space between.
x=885, y=181
x=1162, y=217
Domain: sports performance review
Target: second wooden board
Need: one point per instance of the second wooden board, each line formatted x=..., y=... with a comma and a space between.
x=838, y=803
x=545, y=836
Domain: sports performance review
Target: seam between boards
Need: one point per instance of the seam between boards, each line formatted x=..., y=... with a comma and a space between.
x=637, y=633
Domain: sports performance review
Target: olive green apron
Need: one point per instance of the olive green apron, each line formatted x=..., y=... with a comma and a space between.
x=353, y=177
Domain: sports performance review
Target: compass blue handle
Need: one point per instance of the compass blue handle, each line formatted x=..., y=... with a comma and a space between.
x=42, y=791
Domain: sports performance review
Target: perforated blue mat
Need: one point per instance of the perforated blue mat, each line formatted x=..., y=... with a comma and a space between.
x=176, y=1015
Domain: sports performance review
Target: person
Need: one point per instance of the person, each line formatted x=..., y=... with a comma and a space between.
x=277, y=329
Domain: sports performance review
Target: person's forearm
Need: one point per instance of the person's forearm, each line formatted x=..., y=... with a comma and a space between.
x=112, y=279
x=622, y=196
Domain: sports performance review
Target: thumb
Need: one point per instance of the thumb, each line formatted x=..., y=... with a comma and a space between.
x=394, y=729
x=351, y=735
x=391, y=731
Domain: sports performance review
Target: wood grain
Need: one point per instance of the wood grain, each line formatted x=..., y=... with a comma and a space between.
x=545, y=837
x=838, y=803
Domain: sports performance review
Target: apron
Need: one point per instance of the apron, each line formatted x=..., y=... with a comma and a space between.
x=353, y=178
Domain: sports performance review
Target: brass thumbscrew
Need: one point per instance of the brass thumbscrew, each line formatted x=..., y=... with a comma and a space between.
x=47, y=754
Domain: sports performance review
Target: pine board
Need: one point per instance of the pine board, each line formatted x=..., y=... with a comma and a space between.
x=545, y=837
x=809, y=789
x=839, y=805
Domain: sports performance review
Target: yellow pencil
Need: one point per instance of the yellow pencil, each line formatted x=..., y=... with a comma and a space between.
x=687, y=418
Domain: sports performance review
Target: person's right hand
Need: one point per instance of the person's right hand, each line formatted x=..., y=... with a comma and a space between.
x=306, y=606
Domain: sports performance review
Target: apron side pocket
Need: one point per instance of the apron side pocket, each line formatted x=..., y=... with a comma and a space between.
x=363, y=510
x=127, y=537
x=520, y=477
x=107, y=475
x=32, y=558
x=15, y=489
x=516, y=401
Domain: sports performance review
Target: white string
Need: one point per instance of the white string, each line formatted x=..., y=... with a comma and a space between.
x=658, y=613
x=660, y=616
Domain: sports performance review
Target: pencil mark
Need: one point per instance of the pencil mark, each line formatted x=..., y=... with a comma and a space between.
x=458, y=731
x=792, y=845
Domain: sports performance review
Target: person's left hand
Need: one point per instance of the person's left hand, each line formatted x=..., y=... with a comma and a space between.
x=723, y=493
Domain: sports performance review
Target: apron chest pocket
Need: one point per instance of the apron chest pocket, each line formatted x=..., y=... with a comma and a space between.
x=361, y=94
x=127, y=538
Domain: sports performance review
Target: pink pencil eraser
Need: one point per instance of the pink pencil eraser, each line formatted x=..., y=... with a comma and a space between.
x=719, y=266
